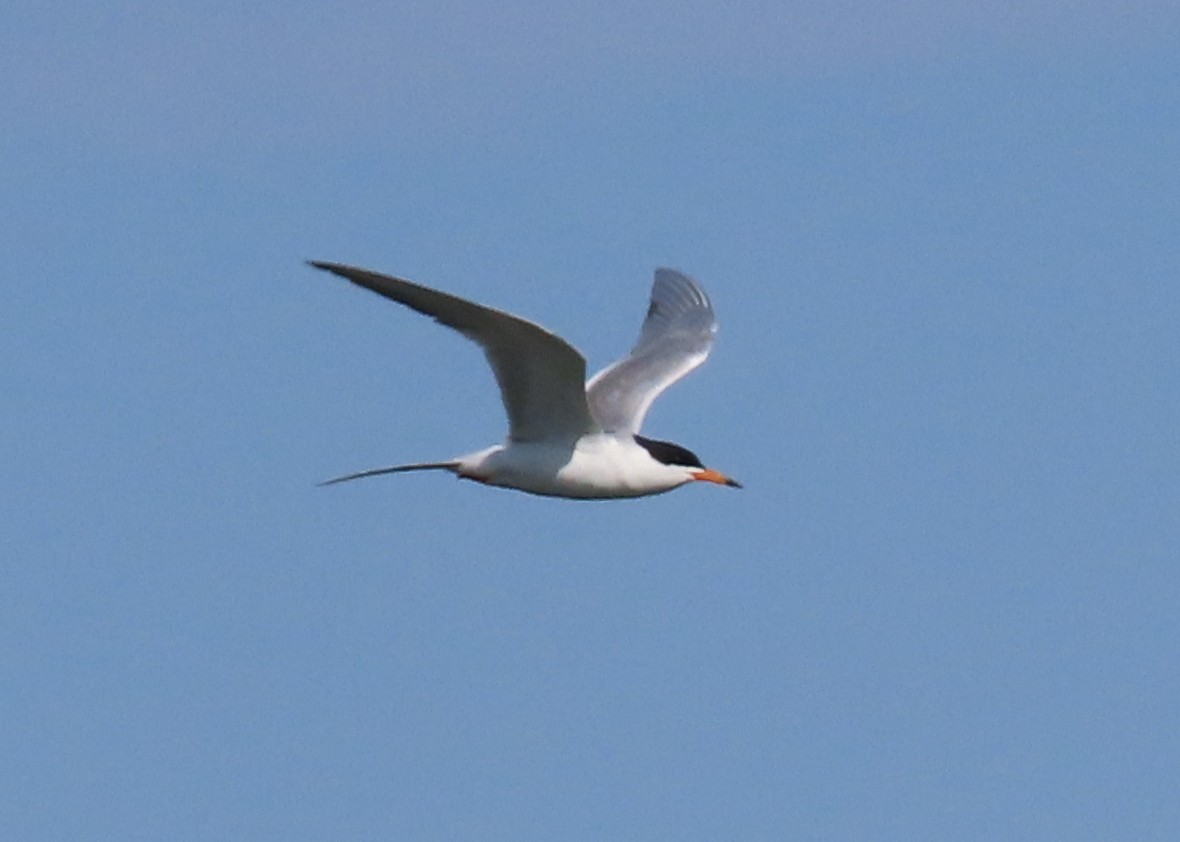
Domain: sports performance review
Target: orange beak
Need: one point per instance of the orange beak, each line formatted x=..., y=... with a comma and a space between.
x=709, y=475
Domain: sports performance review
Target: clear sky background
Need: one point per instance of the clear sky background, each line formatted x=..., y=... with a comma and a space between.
x=942, y=241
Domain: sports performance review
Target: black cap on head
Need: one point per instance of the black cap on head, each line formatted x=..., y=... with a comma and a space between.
x=669, y=454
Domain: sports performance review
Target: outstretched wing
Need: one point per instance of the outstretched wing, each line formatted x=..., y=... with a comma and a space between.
x=541, y=376
x=676, y=337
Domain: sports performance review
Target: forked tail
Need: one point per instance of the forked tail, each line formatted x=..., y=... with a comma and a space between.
x=394, y=469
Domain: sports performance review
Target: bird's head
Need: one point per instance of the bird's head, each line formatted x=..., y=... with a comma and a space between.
x=681, y=457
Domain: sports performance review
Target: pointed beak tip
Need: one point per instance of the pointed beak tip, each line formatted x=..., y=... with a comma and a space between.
x=709, y=475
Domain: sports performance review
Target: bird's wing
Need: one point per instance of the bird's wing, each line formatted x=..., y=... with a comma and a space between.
x=541, y=376
x=675, y=338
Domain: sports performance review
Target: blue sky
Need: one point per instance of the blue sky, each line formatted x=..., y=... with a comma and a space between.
x=943, y=247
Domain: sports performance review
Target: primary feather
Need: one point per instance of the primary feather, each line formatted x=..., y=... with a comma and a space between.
x=676, y=337
x=541, y=376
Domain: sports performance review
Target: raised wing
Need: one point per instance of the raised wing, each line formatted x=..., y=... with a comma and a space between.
x=676, y=337
x=541, y=376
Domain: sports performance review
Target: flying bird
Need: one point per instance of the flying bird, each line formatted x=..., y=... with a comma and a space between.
x=568, y=437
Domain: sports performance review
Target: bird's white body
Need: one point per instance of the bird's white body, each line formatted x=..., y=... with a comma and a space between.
x=567, y=437
x=597, y=466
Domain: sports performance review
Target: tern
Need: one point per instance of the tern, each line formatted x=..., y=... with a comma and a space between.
x=568, y=437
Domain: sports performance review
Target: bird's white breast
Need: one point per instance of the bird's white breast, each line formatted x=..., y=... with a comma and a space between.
x=596, y=466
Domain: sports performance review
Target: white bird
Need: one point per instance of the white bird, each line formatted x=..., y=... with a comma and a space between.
x=567, y=437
